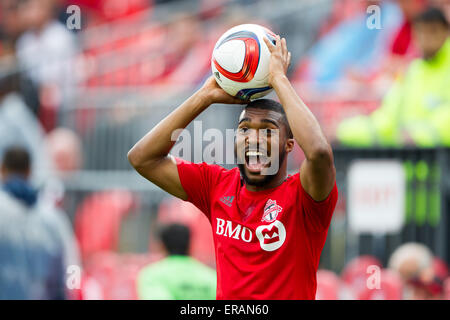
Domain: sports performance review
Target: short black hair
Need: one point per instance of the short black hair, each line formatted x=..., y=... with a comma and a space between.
x=430, y=15
x=269, y=104
x=175, y=238
x=17, y=159
x=10, y=81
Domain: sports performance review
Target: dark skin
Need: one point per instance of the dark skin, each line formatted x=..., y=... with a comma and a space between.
x=150, y=156
x=251, y=122
x=430, y=37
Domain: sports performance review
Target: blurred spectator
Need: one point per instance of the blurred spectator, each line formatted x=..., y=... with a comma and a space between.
x=31, y=256
x=444, y=5
x=11, y=25
x=431, y=285
x=178, y=276
x=176, y=211
x=414, y=263
x=411, y=259
x=402, y=48
x=417, y=108
x=402, y=43
x=19, y=126
x=46, y=51
x=65, y=152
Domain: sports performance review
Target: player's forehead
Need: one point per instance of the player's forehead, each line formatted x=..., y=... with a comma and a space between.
x=256, y=115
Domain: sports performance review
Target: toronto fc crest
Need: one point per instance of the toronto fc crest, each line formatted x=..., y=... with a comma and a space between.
x=271, y=211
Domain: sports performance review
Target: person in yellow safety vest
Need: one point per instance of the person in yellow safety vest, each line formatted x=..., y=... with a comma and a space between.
x=416, y=110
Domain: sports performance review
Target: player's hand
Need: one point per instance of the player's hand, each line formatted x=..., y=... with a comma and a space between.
x=280, y=58
x=213, y=93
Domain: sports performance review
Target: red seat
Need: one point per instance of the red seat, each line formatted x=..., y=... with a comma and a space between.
x=91, y=289
x=328, y=284
x=447, y=288
x=112, y=276
x=390, y=287
x=356, y=273
x=440, y=268
x=97, y=220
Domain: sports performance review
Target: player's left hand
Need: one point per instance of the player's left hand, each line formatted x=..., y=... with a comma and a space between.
x=280, y=58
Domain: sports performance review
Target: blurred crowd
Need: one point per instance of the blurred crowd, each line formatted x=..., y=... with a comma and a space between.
x=368, y=86
x=412, y=273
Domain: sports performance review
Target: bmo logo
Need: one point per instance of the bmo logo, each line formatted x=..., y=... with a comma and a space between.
x=237, y=232
x=271, y=236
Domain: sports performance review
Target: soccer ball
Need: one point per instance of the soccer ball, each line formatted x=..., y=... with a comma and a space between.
x=240, y=61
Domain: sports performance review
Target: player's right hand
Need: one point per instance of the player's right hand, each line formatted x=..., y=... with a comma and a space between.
x=215, y=94
x=280, y=59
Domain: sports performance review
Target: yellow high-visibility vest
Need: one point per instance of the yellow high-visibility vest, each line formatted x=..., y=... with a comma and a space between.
x=418, y=106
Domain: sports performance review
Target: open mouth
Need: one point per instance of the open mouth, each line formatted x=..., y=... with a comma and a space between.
x=256, y=161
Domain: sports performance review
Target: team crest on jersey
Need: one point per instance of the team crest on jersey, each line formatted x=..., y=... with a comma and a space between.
x=271, y=211
x=271, y=236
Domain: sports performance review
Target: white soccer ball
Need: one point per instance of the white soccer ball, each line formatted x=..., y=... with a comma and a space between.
x=240, y=61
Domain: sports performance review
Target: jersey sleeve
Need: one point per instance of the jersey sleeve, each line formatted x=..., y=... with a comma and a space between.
x=318, y=214
x=198, y=181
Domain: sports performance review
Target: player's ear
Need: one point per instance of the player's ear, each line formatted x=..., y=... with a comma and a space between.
x=290, y=145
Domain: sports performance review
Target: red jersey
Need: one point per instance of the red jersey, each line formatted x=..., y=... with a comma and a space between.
x=267, y=243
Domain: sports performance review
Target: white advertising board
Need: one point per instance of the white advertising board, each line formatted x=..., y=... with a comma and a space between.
x=376, y=196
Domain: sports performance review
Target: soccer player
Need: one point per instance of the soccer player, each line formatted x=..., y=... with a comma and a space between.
x=269, y=229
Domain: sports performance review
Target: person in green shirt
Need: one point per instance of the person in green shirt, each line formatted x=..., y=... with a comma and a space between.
x=416, y=110
x=178, y=276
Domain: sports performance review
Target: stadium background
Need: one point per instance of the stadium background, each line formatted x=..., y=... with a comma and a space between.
x=94, y=92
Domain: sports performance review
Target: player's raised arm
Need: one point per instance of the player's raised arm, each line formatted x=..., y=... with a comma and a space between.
x=150, y=155
x=317, y=172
